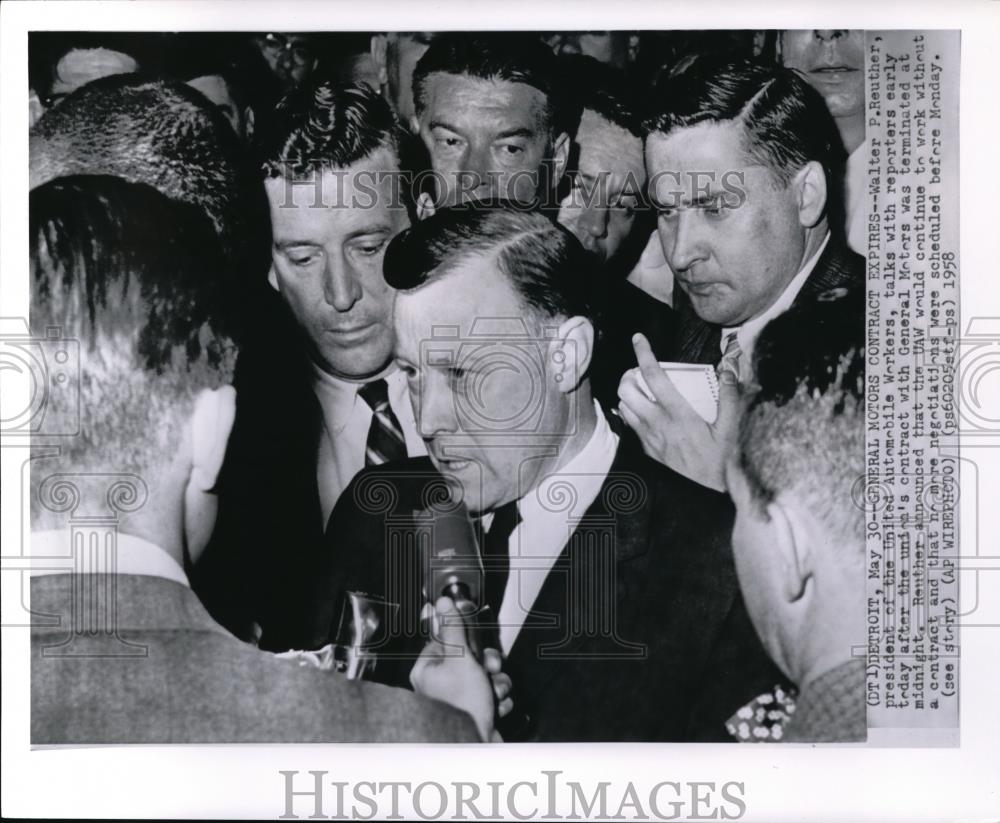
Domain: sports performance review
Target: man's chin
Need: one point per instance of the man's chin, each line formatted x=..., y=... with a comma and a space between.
x=357, y=367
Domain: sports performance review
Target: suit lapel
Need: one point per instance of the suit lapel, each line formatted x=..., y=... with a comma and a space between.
x=581, y=597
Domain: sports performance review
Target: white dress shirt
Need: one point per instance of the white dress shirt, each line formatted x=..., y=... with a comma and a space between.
x=856, y=198
x=52, y=553
x=546, y=525
x=346, y=420
x=747, y=334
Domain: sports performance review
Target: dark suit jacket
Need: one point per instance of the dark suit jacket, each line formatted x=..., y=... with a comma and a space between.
x=173, y=675
x=700, y=342
x=624, y=310
x=270, y=523
x=639, y=632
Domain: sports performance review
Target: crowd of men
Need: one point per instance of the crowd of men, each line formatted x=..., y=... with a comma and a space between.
x=336, y=294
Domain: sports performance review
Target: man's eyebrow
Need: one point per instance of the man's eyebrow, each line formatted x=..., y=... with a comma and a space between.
x=440, y=124
x=519, y=131
x=703, y=199
x=288, y=244
x=375, y=228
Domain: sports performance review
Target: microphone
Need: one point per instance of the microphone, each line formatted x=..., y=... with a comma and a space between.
x=453, y=568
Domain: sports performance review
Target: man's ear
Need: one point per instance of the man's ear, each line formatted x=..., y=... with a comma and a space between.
x=791, y=543
x=560, y=158
x=211, y=423
x=379, y=47
x=571, y=352
x=810, y=191
x=272, y=278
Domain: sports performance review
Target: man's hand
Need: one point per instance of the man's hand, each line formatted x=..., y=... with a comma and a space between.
x=501, y=681
x=447, y=670
x=671, y=431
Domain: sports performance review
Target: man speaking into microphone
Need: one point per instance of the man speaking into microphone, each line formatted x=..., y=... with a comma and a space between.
x=606, y=578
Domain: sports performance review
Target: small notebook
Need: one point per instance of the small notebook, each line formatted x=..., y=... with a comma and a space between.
x=696, y=382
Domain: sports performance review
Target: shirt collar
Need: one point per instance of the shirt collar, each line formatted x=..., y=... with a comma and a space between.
x=338, y=396
x=584, y=473
x=746, y=334
x=52, y=553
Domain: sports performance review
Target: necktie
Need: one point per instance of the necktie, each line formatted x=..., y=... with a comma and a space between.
x=730, y=361
x=496, y=554
x=385, y=437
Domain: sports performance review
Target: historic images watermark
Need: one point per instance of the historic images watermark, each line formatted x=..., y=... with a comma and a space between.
x=317, y=794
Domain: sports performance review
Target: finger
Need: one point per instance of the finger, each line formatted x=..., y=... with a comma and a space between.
x=451, y=626
x=501, y=685
x=648, y=365
x=629, y=416
x=492, y=661
x=504, y=707
x=660, y=384
x=637, y=400
x=730, y=402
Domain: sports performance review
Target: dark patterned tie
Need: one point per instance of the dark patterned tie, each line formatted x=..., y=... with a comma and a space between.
x=496, y=554
x=730, y=361
x=385, y=437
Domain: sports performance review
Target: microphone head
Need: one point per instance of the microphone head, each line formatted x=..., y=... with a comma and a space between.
x=452, y=565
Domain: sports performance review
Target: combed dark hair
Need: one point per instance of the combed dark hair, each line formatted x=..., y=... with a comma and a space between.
x=545, y=263
x=785, y=121
x=157, y=132
x=601, y=88
x=514, y=57
x=325, y=125
x=135, y=278
x=803, y=430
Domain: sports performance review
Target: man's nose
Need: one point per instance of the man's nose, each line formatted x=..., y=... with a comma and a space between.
x=685, y=246
x=341, y=288
x=478, y=164
x=435, y=410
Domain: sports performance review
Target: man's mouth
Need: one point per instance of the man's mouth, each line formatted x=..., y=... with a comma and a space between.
x=451, y=464
x=699, y=289
x=350, y=331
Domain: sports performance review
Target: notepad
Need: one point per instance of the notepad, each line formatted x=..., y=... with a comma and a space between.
x=697, y=383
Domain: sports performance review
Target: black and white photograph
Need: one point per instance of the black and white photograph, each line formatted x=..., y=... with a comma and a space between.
x=493, y=385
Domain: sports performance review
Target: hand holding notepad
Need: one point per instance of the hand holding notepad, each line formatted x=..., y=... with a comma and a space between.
x=697, y=383
x=683, y=416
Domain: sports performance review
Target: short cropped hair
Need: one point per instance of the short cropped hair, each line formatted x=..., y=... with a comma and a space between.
x=515, y=58
x=157, y=132
x=134, y=277
x=545, y=263
x=602, y=89
x=803, y=431
x=324, y=126
x=785, y=121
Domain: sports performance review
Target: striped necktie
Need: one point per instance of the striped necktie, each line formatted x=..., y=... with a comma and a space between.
x=730, y=361
x=385, y=437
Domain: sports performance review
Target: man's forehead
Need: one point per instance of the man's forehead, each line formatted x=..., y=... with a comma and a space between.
x=608, y=148
x=705, y=147
x=371, y=186
x=80, y=66
x=462, y=95
x=470, y=296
